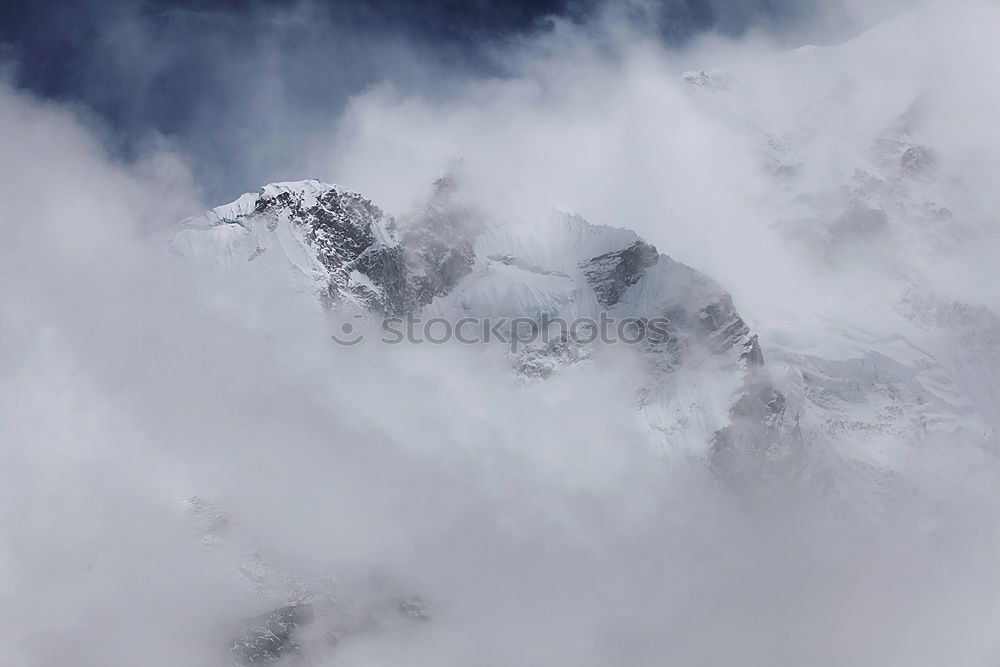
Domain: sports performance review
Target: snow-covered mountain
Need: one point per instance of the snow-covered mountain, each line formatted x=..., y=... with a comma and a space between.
x=919, y=369
x=701, y=390
x=313, y=236
x=821, y=395
x=859, y=376
x=897, y=358
x=447, y=260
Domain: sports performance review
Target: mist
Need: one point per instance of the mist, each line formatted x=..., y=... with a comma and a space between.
x=535, y=519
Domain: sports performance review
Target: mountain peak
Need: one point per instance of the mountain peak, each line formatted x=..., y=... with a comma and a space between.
x=451, y=260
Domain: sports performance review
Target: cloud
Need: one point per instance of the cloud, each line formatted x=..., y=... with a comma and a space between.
x=242, y=89
x=532, y=518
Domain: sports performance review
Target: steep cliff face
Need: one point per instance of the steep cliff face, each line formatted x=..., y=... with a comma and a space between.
x=439, y=244
x=610, y=274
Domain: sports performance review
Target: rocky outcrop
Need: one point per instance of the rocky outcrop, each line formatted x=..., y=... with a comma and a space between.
x=273, y=636
x=439, y=245
x=610, y=274
x=337, y=242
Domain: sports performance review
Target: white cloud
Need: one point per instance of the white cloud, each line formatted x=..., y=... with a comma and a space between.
x=540, y=530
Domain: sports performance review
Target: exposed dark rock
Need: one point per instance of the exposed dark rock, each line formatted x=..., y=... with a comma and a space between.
x=610, y=274
x=440, y=245
x=725, y=329
x=271, y=637
x=341, y=227
x=385, y=267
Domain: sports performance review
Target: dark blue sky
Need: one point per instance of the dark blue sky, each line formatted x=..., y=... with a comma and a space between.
x=191, y=71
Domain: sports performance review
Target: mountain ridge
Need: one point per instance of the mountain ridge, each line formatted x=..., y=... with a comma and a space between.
x=449, y=260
